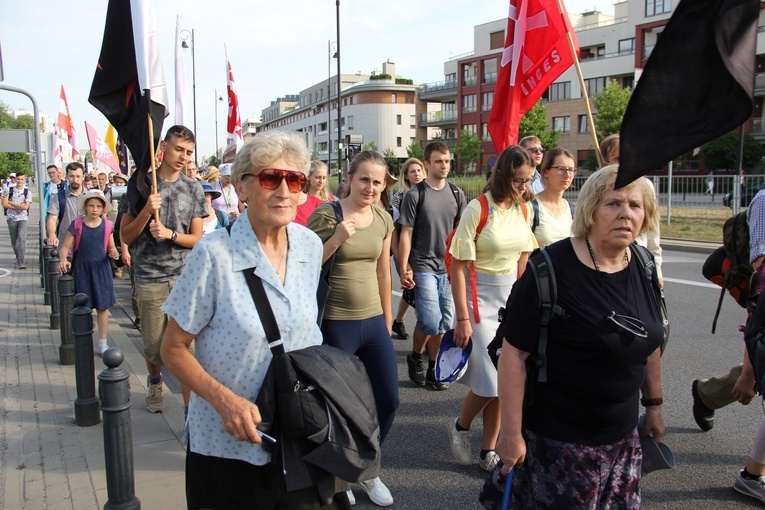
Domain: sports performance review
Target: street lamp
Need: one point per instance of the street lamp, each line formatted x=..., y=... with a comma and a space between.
x=339, y=105
x=329, y=104
x=218, y=98
x=185, y=36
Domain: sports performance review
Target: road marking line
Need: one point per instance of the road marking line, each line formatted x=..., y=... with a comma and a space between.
x=4, y=273
x=691, y=282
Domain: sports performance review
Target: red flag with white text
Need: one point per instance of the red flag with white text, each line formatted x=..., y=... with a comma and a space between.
x=65, y=123
x=100, y=148
x=234, y=124
x=536, y=53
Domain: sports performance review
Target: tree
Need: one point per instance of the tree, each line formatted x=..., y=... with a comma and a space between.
x=371, y=146
x=534, y=123
x=610, y=105
x=214, y=161
x=415, y=151
x=468, y=149
x=722, y=153
x=14, y=161
x=394, y=165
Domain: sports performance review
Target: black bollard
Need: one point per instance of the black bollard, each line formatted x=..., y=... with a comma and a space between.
x=44, y=274
x=114, y=391
x=53, y=275
x=41, y=262
x=66, y=304
x=86, y=412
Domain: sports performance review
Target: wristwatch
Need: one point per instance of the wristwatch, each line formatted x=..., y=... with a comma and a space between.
x=174, y=236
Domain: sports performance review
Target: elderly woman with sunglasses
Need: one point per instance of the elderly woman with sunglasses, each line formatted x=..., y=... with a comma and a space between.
x=226, y=465
x=576, y=443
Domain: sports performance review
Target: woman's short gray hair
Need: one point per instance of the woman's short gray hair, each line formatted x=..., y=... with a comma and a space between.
x=265, y=148
x=591, y=195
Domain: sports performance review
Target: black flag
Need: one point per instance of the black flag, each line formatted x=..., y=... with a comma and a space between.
x=126, y=92
x=697, y=85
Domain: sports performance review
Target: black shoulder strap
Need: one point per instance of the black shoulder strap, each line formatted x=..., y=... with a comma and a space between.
x=572, y=206
x=420, y=198
x=547, y=289
x=456, y=193
x=647, y=264
x=535, y=221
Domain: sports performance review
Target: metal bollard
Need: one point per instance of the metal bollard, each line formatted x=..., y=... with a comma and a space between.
x=86, y=412
x=53, y=275
x=44, y=274
x=114, y=391
x=41, y=262
x=66, y=304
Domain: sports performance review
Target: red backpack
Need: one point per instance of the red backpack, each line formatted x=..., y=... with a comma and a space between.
x=108, y=229
x=448, y=256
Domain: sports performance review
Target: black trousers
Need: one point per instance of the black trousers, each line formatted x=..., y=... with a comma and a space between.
x=223, y=484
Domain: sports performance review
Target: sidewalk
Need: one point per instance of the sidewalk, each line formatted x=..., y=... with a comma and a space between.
x=47, y=461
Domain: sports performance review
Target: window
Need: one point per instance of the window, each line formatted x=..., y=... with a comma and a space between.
x=409, y=98
x=628, y=82
x=654, y=7
x=485, y=135
x=398, y=141
x=350, y=122
x=560, y=91
x=490, y=70
x=470, y=128
x=468, y=103
x=595, y=86
x=600, y=51
x=584, y=126
x=413, y=121
x=487, y=99
x=398, y=120
x=627, y=46
x=562, y=124
x=393, y=97
x=497, y=40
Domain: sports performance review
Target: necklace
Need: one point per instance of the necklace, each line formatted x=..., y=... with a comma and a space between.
x=595, y=262
x=281, y=263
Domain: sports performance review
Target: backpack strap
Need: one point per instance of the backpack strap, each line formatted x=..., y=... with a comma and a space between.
x=61, y=207
x=484, y=218
x=322, y=290
x=77, y=233
x=572, y=207
x=219, y=215
x=108, y=229
x=547, y=289
x=456, y=194
x=535, y=208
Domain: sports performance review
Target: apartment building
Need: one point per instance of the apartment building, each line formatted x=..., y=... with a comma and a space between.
x=381, y=108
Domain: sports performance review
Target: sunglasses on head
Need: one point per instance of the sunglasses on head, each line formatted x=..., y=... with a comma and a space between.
x=271, y=178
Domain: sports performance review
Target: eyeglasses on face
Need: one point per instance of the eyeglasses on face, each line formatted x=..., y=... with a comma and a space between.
x=536, y=150
x=521, y=183
x=563, y=170
x=631, y=324
x=271, y=178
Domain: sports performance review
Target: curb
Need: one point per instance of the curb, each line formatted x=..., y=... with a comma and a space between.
x=704, y=247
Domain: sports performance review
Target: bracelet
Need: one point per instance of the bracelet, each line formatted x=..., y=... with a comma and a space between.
x=460, y=320
x=648, y=402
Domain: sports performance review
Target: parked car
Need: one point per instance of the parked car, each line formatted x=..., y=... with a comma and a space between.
x=747, y=194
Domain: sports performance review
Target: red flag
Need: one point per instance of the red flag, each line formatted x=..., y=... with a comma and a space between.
x=234, y=126
x=100, y=148
x=65, y=123
x=536, y=54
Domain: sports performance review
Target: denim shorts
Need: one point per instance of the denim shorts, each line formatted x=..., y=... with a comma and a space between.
x=433, y=296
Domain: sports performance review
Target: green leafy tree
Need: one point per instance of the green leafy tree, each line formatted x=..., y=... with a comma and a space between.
x=394, y=165
x=14, y=161
x=722, y=153
x=534, y=123
x=371, y=146
x=610, y=105
x=468, y=149
x=214, y=161
x=415, y=151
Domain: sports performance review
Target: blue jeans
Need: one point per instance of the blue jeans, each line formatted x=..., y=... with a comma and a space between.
x=370, y=341
x=433, y=296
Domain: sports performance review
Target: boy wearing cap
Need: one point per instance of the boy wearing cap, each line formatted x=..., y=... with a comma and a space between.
x=16, y=202
x=228, y=202
x=160, y=248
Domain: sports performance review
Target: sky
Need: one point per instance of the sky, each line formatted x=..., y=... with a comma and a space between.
x=275, y=48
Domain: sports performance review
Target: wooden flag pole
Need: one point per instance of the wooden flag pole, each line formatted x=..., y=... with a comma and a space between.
x=154, y=187
x=590, y=119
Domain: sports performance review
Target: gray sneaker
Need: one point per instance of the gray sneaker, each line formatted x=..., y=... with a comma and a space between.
x=752, y=488
x=155, y=402
x=488, y=463
x=459, y=440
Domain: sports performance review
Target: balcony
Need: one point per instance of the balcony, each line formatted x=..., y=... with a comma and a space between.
x=440, y=118
x=469, y=81
x=449, y=142
x=486, y=107
x=489, y=78
x=757, y=129
x=759, y=84
x=438, y=89
x=469, y=109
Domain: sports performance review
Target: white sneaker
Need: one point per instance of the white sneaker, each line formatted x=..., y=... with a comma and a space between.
x=459, y=440
x=377, y=491
x=488, y=463
x=351, y=497
x=102, y=348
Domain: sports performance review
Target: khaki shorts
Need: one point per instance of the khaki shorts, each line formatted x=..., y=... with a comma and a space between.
x=151, y=297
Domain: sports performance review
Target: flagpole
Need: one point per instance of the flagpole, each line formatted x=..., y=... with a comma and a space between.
x=586, y=98
x=153, y=170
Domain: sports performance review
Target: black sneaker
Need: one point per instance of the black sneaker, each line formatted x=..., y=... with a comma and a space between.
x=417, y=368
x=400, y=330
x=137, y=324
x=430, y=378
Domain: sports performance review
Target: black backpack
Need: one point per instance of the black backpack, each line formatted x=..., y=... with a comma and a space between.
x=547, y=290
x=10, y=194
x=535, y=208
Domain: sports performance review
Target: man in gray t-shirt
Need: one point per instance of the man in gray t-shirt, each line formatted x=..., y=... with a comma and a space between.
x=429, y=211
x=74, y=175
x=160, y=247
